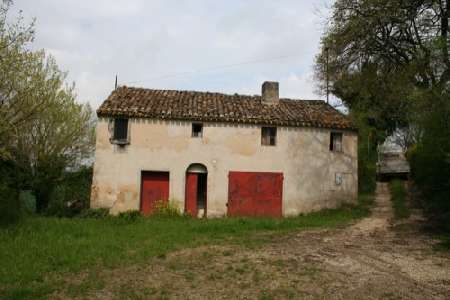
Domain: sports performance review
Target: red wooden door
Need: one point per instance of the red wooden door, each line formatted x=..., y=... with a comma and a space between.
x=191, y=194
x=154, y=187
x=255, y=194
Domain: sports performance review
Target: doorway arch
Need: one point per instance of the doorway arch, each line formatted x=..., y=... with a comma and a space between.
x=196, y=190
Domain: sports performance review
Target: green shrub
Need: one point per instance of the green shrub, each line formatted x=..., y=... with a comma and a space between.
x=129, y=216
x=10, y=212
x=71, y=196
x=167, y=209
x=430, y=164
x=94, y=213
x=27, y=202
x=57, y=206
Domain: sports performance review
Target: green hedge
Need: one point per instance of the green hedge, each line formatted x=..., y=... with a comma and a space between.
x=9, y=205
x=430, y=165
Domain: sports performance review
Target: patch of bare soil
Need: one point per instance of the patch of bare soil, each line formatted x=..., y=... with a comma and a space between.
x=375, y=258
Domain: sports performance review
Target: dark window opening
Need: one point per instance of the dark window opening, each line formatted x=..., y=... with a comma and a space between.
x=120, y=129
x=197, y=130
x=268, y=136
x=336, y=141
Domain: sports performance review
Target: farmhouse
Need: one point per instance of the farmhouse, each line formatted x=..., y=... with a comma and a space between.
x=213, y=154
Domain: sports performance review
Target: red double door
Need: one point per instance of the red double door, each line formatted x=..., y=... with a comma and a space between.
x=255, y=194
x=154, y=188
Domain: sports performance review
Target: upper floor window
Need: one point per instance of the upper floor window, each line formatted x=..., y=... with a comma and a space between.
x=197, y=130
x=120, y=130
x=268, y=136
x=336, y=141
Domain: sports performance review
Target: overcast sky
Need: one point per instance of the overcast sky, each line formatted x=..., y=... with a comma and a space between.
x=231, y=46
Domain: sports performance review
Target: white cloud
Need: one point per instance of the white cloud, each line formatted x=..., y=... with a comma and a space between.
x=145, y=40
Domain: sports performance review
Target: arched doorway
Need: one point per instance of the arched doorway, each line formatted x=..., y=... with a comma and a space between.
x=196, y=190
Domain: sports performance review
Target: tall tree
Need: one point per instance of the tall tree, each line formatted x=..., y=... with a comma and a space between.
x=59, y=138
x=382, y=53
x=17, y=66
x=43, y=130
x=389, y=60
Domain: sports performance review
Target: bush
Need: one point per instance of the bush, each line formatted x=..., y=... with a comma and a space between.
x=58, y=207
x=72, y=195
x=166, y=209
x=430, y=164
x=9, y=205
x=27, y=202
x=94, y=213
x=130, y=215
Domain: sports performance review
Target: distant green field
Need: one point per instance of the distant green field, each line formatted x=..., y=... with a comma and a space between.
x=38, y=252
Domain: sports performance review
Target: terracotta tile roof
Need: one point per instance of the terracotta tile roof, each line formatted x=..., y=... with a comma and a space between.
x=216, y=107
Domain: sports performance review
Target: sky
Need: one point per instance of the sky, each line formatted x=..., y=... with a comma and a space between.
x=218, y=46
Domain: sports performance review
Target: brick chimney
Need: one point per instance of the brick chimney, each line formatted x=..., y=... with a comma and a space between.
x=270, y=94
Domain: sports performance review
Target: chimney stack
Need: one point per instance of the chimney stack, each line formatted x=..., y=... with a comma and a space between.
x=270, y=94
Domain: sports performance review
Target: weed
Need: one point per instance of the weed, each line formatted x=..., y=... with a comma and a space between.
x=279, y=263
x=257, y=276
x=130, y=215
x=95, y=213
x=189, y=276
x=167, y=209
x=215, y=276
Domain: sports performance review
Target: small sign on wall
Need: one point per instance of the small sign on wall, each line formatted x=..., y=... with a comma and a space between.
x=338, y=178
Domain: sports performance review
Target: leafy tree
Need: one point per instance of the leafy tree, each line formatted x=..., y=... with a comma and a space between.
x=43, y=130
x=389, y=62
x=18, y=65
x=59, y=138
x=381, y=52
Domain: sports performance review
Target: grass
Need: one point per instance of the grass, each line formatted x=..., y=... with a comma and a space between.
x=398, y=196
x=37, y=254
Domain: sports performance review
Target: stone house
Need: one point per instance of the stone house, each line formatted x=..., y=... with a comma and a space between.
x=213, y=154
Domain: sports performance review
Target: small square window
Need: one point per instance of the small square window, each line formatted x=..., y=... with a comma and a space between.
x=120, y=129
x=268, y=136
x=197, y=130
x=336, y=141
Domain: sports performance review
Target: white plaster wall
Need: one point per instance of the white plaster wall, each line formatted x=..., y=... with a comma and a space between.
x=301, y=154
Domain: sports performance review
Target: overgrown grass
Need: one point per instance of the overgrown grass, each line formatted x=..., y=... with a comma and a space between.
x=38, y=253
x=398, y=196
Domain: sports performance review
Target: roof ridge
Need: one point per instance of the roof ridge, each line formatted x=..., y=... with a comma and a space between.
x=215, y=93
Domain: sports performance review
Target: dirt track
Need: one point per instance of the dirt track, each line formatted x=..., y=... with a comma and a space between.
x=373, y=259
